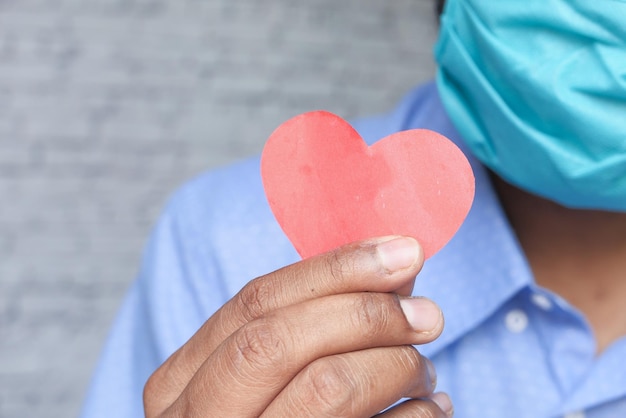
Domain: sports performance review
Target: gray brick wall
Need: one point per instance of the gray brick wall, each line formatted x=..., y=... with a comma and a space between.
x=107, y=105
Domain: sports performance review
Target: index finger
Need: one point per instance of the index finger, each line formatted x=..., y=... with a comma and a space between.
x=386, y=264
x=383, y=265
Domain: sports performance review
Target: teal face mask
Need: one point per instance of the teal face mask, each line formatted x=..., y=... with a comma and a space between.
x=537, y=89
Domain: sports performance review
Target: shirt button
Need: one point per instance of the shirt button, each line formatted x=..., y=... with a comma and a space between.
x=541, y=301
x=577, y=414
x=516, y=321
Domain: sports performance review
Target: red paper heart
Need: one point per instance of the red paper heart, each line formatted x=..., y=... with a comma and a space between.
x=327, y=188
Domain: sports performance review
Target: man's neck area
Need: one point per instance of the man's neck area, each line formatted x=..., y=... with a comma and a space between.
x=578, y=254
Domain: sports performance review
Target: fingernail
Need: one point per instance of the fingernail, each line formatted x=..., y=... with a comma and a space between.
x=422, y=314
x=399, y=253
x=443, y=402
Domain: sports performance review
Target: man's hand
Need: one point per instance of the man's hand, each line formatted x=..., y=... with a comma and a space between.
x=327, y=336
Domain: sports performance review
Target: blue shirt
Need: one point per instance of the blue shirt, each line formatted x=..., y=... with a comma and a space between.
x=509, y=348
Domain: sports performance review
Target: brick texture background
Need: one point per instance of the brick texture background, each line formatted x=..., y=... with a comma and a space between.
x=107, y=105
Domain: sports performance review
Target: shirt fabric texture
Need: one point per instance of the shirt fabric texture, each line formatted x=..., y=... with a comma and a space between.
x=509, y=348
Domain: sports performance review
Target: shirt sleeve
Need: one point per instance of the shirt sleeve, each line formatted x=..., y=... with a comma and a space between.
x=175, y=292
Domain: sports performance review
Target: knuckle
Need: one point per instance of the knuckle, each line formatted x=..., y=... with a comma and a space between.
x=149, y=392
x=152, y=393
x=259, y=344
x=339, y=265
x=372, y=314
x=253, y=301
x=330, y=389
x=349, y=262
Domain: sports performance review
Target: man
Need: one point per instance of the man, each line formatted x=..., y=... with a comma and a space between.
x=532, y=286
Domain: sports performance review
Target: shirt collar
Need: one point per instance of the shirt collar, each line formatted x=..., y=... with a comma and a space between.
x=483, y=266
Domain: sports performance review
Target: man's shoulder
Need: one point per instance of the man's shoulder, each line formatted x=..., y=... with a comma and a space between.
x=230, y=192
x=223, y=216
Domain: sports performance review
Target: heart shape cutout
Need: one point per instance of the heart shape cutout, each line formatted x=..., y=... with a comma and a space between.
x=327, y=188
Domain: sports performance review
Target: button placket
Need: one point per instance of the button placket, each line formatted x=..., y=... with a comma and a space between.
x=516, y=321
x=542, y=301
